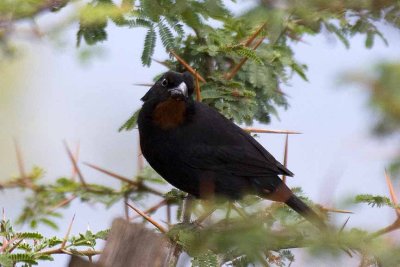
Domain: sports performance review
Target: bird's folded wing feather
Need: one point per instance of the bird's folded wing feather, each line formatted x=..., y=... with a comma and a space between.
x=228, y=147
x=229, y=159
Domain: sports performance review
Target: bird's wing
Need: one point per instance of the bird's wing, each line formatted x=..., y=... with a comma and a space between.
x=226, y=144
x=265, y=153
x=234, y=160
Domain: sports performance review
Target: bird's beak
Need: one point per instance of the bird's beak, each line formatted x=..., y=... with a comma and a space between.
x=180, y=92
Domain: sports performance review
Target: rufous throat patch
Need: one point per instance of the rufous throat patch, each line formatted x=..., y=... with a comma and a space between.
x=169, y=114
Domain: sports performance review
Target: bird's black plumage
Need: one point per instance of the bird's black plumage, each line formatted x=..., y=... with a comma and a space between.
x=201, y=152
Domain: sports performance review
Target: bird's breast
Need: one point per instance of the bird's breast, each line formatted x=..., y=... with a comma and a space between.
x=169, y=114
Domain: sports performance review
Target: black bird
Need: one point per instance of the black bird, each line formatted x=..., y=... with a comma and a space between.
x=201, y=152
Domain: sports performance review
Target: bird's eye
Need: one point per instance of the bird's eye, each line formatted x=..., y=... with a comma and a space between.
x=164, y=82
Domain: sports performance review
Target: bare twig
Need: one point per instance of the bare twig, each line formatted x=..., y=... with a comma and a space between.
x=112, y=174
x=258, y=130
x=237, y=67
x=187, y=208
x=344, y=225
x=154, y=208
x=254, y=35
x=187, y=66
x=76, y=158
x=204, y=216
x=75, y=164
x=198, y=92
x=162, y=63
x=62, y=203
x=148, y=218
x=336, y=210
x=6, y=243
x=64, y=242
x=20, y=161
x=24, y=180
x=139, y=185
x=15, y=245
x=144, y=84
x=396, y=224
x=392, y=193
x=88, y=252
x=169, y=214
x=285, y=157
x=239, y=211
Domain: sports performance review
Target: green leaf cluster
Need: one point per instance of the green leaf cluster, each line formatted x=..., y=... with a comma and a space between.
x=30, y=248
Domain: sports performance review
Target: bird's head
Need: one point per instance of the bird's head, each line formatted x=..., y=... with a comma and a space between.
x=171, y=85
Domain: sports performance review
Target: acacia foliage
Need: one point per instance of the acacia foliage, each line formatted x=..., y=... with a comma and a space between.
x=212, y=39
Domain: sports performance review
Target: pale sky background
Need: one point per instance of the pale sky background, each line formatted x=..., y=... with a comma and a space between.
x=47, y=95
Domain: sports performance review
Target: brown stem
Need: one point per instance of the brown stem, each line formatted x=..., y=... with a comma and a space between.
x=187, y=66
x=87, y=252
x=258, y=130
x=75, y=164
x=198, y=93
x=254, y=35
x=62, y=203
x=112, y=174
x=148, y=218
x=64, y=242
x=187, y=209
x=154, y=208
x=20, y=161
x=138, y=185
x=236, y=68
x=285, y=157
x=394, y=226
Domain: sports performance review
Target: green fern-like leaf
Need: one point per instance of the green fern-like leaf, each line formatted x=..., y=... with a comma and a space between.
x=299, y=69
x=341, y=35
x=149, y=45
x=166, y=36
x=23, y=257
x=45, y=257
x=140, y=22
x=244, y=51
x=102, y=234
x=54, y=241
x=176, y=26
x=378, y=201
x=130, y=123
x=26, y=247
x=30, y=235
x=369, y=41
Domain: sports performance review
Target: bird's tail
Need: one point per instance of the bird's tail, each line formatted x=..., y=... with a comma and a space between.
x=300, y=207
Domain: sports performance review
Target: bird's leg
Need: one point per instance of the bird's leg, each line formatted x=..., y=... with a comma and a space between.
x=187, y=208
x=236, y=206
x=228, y=211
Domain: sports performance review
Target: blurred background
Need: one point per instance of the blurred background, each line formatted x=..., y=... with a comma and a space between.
x=51, y=91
